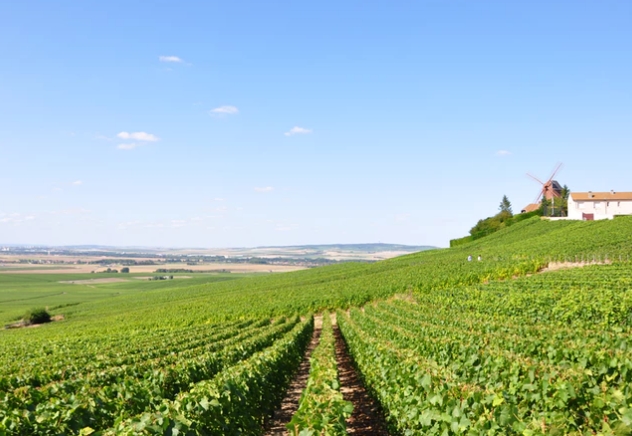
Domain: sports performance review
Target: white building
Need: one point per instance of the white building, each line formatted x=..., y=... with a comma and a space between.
x=599, y=205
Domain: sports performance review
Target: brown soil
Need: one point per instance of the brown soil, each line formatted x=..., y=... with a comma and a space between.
x=367, y=417
x=163, y=274
x=24, y=325
x=554, y=266
x=289, y=405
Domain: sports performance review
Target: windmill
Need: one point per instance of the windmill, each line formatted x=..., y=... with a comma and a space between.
x=551, y=189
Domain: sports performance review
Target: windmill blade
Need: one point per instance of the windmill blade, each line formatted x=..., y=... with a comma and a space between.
x=538, y=198
x=555, y=171
x=536, y=179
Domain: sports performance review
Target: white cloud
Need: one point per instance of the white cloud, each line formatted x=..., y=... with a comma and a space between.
x=138, y=136
x=265, y=189
x=77, y=182
x=297, y=131
x=218, y=199
x=129, y=146
x=224, y=110
x=175, y=59
x=503, y=153
x=15, y=218
x=401, y=217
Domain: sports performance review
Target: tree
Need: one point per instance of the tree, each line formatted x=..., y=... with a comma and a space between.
x=505, y=206
x=557, y=206
x=566, y=192
x=125, y=270
x=37, y=316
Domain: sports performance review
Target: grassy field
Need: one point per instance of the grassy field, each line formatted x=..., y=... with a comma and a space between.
x=483, y=347
x=21, y=292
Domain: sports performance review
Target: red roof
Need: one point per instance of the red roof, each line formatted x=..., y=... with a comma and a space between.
x=532, y=207
x=602, y=196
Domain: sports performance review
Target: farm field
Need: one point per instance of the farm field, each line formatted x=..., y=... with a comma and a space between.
x=63, y=293
x=445, y=346
x=244, y=268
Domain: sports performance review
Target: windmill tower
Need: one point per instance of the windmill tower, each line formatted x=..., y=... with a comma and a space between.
x=551, y=189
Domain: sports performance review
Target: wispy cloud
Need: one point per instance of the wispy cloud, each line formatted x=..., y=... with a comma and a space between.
x=503, y=153
x=129, y=146
x=224, y=110
x=138, y=136
x=297, y=131
x=265, y=189
x=77, y=182
x=15, y=218
x=172, y=59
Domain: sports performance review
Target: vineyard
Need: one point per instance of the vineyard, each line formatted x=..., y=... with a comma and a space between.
x=445, y=346
x=545, y=355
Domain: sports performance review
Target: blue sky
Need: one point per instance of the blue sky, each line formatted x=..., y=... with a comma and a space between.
x=214, y=124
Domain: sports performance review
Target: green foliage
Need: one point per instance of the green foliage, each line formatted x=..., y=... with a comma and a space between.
x=460, y=241
x=37, y=316
x=164, y=357
x=125, y=270
x=493, y=224
x=237, y=401
x=505, y=206
x=322, y=410
x=548, y=354
x=66, y=294
x=490, y=225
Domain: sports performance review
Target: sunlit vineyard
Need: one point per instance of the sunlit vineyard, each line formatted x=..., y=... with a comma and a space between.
x=541, y=355
x=445, y=345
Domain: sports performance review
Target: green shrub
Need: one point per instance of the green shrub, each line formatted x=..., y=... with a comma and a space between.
x=37, y=316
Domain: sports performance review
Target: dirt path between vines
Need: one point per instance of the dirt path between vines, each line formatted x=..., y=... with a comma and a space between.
x=367, y=417
x=289, y=406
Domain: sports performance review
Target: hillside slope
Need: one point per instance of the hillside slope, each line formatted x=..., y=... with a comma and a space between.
x=518, y=250
x=494, y=341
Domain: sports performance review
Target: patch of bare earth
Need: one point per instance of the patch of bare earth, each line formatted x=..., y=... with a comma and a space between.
x=151, y=277
x=367, y=417
x=22, y=324
x=289, y=405
x=554, y=266
x=94, y=281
